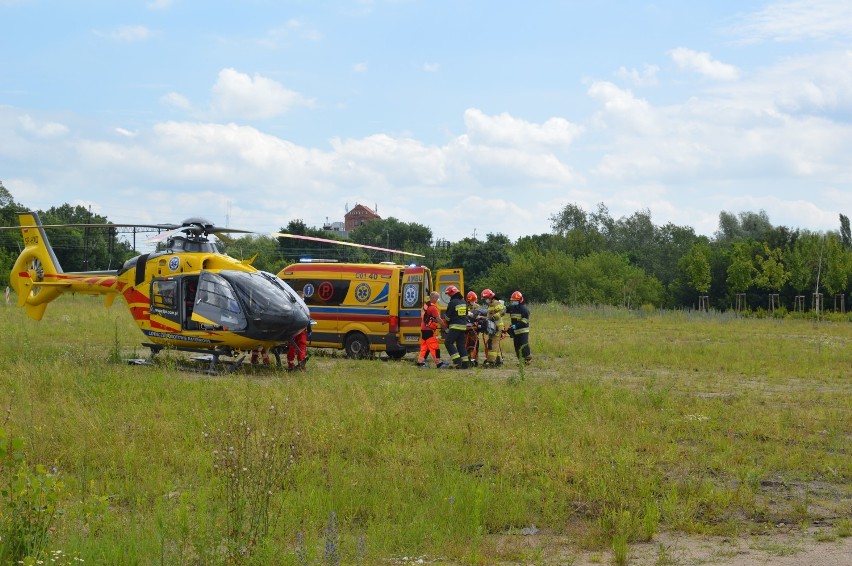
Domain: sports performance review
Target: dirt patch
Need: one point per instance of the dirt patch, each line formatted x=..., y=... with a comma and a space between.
x=799, y=548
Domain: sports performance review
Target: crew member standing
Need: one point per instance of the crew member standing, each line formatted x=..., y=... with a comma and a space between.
x=472, y=334
x=429, y=323
x=520, y=329
x=297, y=352
x=456, y=315
x=493, y=328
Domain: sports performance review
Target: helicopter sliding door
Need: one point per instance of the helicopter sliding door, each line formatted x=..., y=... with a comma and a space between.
x=164, y=299
x=216, y=304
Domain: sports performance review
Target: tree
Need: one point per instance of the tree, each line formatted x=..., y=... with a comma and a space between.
x=748, y=225
x=393, y=234
x=10, y=240
x=265, y=249
x=478, y=257
x=637, y=238
x=845, y=233
x=584, y=233
x=570, y=218
x=802, y=262
x=6, y=198
x=85, y=249
x=836, y=265
x=696, y=265
x=294, y=249
x=741, y=269
x=672, y=243
x=771, y=273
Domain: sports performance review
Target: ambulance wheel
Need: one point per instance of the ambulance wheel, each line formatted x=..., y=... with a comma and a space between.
x=357, y=345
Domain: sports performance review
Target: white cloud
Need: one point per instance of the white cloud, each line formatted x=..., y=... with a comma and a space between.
x=127, y=33
x=159, y=4
x=238, y=95
x=646, y=77
x=126, y=133
x=703, y=64
x=504, y=129
x=797, y=20
x=431, y=67
x=176, y=100
x=620, y=108
x=814, y=84
x=283, y=35
x=44, y=130
x=360, y=67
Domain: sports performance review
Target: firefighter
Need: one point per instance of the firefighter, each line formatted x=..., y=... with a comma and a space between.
x=456, y=315
x=429, y=322
x=520, y=329
x=493, y=328
x=472, y=333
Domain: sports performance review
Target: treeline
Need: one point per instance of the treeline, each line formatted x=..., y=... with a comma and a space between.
x=588, y=257
x=76, y=249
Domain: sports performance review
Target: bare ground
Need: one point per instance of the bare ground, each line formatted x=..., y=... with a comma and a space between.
x=794, y=548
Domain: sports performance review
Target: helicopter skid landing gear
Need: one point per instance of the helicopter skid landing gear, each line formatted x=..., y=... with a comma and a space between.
x=209, y=356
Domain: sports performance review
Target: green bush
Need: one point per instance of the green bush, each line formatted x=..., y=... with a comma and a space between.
x=29, y=504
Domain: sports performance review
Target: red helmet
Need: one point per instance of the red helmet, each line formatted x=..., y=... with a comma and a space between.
x=471, y=297
x=487, y=294
x=516, y=296
x=451, y=290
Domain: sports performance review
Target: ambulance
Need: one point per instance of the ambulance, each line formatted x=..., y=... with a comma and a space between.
x=364, y=308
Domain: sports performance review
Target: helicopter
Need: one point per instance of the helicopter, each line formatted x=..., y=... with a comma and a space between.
x=187, y=297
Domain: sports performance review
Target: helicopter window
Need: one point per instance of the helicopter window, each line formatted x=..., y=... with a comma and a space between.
x=261, y=292
x=163, y=293
x=216, y=301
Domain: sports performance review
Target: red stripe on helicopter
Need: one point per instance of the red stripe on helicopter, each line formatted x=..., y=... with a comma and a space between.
x=160, y=326
x=131, y=296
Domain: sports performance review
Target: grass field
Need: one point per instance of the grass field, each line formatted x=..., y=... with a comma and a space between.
x=627, y=424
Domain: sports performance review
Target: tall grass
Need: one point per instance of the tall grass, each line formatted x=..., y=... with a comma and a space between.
x=625, y=424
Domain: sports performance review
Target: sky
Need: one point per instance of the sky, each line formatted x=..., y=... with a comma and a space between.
x=468, y=116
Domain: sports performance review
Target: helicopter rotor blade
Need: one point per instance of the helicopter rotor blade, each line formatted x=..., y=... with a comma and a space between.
x=163, y=236
x=342, y=243
x=199, y=226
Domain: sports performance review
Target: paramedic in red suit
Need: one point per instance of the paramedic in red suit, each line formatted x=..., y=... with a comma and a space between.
x=429, y=322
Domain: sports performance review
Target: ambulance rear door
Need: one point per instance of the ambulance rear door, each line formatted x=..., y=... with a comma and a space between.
x=412, y=294
x=443, y=279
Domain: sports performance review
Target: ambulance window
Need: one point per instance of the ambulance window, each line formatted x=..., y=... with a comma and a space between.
x=410, y=295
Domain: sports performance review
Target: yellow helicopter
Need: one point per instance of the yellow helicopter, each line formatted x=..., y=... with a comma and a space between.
x=187, y=297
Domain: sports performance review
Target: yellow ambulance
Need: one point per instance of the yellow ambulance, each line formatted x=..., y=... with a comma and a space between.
x=365, y=308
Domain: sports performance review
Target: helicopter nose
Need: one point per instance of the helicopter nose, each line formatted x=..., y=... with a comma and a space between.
x=279, y=324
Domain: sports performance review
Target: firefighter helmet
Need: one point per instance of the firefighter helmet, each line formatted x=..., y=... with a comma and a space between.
x=451, y=290
x=516, y=296
x=471, y=297
x=487, y=294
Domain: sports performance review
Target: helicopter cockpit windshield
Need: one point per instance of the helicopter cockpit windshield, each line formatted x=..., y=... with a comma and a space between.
x=262, y=293
x=217, y=304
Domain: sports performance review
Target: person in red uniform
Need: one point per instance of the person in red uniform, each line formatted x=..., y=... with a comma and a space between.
x=429, y=323
x=298, y=351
